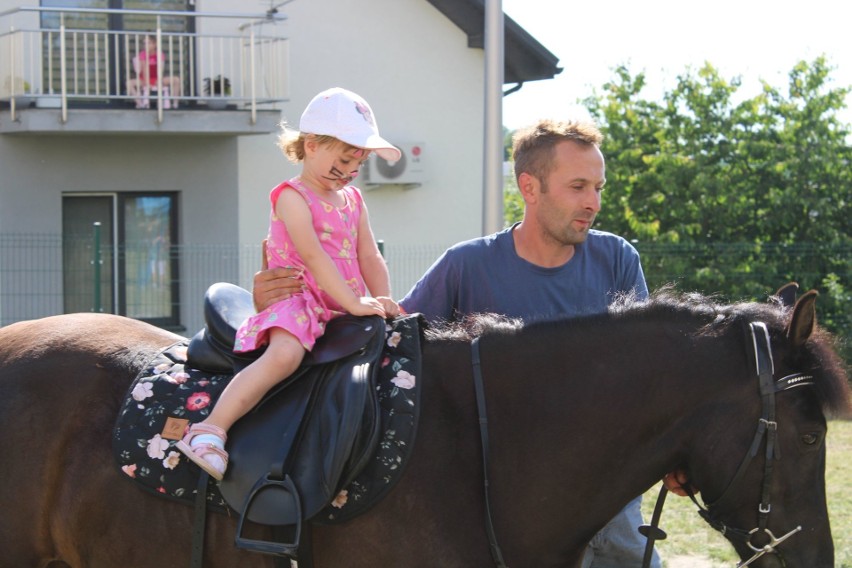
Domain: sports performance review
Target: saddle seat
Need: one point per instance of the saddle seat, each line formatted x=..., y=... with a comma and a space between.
x=226, y=306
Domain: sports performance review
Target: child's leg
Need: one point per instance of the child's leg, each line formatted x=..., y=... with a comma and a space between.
x=205, y=442
x=281, y=359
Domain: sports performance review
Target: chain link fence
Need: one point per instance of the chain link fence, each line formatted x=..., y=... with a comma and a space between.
x=36, y=280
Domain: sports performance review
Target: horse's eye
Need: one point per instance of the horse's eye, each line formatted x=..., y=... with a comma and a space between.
x=810, y=439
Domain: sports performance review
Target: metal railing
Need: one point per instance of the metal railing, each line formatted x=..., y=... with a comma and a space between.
x=71, y=56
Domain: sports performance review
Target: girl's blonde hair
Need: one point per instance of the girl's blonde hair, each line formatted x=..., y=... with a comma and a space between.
x=292, y=143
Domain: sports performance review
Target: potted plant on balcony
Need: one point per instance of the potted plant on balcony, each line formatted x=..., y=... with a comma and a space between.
x=218, y=88
x=20, y=90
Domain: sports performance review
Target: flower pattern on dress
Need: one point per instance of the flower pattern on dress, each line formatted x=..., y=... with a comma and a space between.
x=337, y=230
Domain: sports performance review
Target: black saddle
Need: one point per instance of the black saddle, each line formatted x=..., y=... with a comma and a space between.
x=308, y=437
x=226, y=306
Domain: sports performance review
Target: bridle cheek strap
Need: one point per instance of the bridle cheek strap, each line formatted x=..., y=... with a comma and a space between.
x=767, y=427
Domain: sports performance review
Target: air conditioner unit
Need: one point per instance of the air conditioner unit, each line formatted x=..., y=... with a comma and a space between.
x=408, y=170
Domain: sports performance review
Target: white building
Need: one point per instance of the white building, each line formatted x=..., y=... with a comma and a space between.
x=181, y=194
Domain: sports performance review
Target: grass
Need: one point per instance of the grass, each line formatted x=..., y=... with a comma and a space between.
x=689, y=535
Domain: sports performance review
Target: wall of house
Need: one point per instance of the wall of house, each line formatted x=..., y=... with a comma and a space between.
x=424, y=84
x=38, y=170
x=406, y=58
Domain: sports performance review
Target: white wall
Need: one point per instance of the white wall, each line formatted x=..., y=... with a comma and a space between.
x=425, y=85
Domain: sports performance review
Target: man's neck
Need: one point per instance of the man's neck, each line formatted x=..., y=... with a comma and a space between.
x=535, y=248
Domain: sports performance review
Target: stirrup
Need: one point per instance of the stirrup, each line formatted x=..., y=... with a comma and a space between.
x=196, y=454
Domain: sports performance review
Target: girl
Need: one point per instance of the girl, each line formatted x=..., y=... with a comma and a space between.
x=146, y=64
x=319, y=225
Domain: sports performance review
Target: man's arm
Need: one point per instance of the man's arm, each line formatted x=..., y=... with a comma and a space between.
x=273, y=285
x=434, y=295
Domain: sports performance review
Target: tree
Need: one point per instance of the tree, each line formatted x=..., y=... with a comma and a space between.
x=734, y=198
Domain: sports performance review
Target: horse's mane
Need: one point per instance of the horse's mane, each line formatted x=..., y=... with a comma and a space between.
x=710, y=317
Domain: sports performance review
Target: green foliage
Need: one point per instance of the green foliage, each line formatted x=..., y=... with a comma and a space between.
x=732, y=195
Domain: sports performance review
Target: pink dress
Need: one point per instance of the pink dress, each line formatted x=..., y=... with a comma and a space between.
x=305, y=314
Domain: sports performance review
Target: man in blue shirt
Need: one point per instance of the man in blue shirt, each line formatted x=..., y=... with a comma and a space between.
x=552, y=263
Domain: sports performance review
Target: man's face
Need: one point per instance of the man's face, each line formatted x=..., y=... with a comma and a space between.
x=570, y=196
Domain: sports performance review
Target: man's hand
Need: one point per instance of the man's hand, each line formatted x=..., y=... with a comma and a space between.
x=675, y=482
x=270, y=286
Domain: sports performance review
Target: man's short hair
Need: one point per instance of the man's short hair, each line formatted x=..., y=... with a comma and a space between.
x=532, y=147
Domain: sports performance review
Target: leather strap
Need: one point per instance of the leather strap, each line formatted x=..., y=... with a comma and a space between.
x=200, y=521
x=496, y=553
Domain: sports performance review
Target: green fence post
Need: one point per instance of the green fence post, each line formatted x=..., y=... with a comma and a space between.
x=381, y=244
x=96, y=262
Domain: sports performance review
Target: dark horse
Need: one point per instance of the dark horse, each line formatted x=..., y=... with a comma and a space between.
x=584, y=415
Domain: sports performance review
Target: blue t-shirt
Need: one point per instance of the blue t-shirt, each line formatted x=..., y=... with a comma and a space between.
x=487, y=275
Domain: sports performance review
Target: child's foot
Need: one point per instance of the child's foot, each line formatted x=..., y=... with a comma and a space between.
x=204, y=445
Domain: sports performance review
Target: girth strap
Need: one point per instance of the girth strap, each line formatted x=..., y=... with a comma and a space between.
x=496, y=553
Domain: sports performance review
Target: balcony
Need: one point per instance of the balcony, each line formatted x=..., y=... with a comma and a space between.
x=74, y=70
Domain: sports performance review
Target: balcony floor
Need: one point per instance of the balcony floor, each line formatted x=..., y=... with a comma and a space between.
x=191, y=121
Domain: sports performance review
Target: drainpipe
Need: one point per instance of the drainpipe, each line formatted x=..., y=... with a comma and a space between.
x=492, y=191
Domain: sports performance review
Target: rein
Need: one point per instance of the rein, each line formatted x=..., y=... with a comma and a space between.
x=496, y=553
x=767, y=427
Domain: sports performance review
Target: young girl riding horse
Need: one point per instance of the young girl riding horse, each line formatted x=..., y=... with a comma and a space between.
x=318, y=225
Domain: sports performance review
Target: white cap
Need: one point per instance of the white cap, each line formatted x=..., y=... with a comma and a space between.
x=346, y=116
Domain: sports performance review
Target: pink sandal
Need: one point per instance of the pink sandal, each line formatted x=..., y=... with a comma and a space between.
x=198, y=453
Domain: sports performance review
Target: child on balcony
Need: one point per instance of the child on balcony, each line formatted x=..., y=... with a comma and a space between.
x=319, y=225
x=145, y=65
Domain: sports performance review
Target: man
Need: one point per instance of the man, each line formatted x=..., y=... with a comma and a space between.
x=551, y=263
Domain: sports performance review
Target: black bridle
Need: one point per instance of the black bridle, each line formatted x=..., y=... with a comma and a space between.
x=767, y=427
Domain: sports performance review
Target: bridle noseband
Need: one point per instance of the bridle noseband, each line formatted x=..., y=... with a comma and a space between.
x=767, y=427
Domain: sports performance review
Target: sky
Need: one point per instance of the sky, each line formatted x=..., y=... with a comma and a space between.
x=754, y=39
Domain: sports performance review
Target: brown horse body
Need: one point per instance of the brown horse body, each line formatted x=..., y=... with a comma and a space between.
x=583, y=417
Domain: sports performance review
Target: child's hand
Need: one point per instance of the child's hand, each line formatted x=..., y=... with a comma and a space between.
x=367, y=306
x=391, y=307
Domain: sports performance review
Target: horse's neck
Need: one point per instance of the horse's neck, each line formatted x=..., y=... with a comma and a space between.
x=610, y=411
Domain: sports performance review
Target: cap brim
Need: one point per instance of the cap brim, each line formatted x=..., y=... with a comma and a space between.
x=383, y=148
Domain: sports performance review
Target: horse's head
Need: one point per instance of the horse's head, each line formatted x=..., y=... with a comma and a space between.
x=770, y=500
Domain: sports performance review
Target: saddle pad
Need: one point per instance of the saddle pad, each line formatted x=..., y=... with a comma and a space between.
x=167, y=389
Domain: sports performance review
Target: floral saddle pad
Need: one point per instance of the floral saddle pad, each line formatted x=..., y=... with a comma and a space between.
x=168, y=394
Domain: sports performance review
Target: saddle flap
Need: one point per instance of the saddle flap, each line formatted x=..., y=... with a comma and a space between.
x=334, y=401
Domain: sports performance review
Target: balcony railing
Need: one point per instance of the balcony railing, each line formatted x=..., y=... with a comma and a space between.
x=61, y=57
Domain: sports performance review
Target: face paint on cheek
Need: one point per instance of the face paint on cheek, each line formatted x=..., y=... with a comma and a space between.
x=335, y=174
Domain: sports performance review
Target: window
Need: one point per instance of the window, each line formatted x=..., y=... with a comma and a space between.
x=120, y=255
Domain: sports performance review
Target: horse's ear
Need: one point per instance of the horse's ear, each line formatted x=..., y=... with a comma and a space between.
x=787, y=294
x=804, y=319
